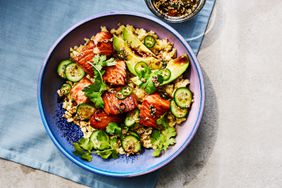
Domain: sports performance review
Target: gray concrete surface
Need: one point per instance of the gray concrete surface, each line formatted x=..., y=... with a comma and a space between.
x=239, y=141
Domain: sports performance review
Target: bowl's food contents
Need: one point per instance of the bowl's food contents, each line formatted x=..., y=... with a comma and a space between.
x=176, y=8
x=125, y=90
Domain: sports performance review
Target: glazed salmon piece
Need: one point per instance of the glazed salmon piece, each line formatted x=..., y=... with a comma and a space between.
x=152, y=108
x=116, y=75
x=104, y=48
x=103, y=36
x=76, y=92
x=103, y=43
x=100, y=44
x=85, y=56
x=101, y=119
x=114, y=106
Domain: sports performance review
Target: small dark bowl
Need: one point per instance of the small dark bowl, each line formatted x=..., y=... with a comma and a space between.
x=172, y=19
x=62, y=133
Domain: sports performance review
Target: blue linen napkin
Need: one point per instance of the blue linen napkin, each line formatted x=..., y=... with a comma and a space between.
x=27, y=31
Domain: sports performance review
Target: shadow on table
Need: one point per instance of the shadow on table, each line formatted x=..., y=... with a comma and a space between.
x=190, y=162
x=215, y=27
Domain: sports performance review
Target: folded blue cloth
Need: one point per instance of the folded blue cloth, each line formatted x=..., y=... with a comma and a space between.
x=28, y=29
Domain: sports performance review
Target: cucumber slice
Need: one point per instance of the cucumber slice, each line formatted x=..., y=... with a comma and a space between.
x=132, y=133
x=84, y=111
x=100, y=140
x=131, y=144
x=183, y=97
x=176, y=111
x=62, y=67
x=74, y=72
x=132, y=118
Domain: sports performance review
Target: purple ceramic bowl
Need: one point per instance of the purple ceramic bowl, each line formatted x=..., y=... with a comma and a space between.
x=62, y=135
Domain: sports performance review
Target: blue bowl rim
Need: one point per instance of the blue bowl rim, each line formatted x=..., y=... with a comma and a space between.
x=162, y=163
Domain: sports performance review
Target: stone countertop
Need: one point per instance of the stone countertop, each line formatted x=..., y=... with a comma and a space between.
x=239, y=141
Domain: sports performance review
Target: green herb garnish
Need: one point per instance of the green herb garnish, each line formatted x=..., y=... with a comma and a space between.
x=94, y=91
x=85, y=147
x=161, y=140
x=113, y=129
x=162, y=121
x=101, y=61
x=152, y=82
x=79, y=151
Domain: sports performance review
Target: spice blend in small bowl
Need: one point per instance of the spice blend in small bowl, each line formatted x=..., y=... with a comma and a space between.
x=175, y=10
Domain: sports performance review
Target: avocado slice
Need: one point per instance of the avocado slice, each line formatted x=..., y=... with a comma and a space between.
x=118, y=43
x=177, y=67
x=133, y=41
x=131, y=59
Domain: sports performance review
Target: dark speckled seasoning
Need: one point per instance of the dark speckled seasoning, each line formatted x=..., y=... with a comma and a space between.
x=176, y=8
x=70, y=131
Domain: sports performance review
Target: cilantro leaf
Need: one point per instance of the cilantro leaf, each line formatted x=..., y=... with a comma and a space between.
x=97, y=76
x=94, y=91
x=163, y=121
x=153, y=80
x=114, y=154
x=104, y=153
x=98, y=80
x=160, y=78
x=96, y=59
x=112, y=151
x=156, y=152
x=155, y=136
x=101, y=61
x=92, y=88
x=149, y=86
x=83, y=148
x=96, y=62
x=103, y=58
x=169, y=135
x=86, y=144
x=86, y=156
x=110, y=62
x=103, y=87
x=169, y=132
x=97, y=100
x=113, y=129
x=161, y=140
x=78, y=151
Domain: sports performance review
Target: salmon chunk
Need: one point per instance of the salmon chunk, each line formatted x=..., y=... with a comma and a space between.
x=101, y=119
x=152, y=108
x=114, y=106
x=76, y=92
x=115, y=75
x=84, y=57
x=99, y=44
x=103, y=43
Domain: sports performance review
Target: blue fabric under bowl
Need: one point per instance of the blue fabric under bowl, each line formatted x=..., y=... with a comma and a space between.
x=63, y=133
